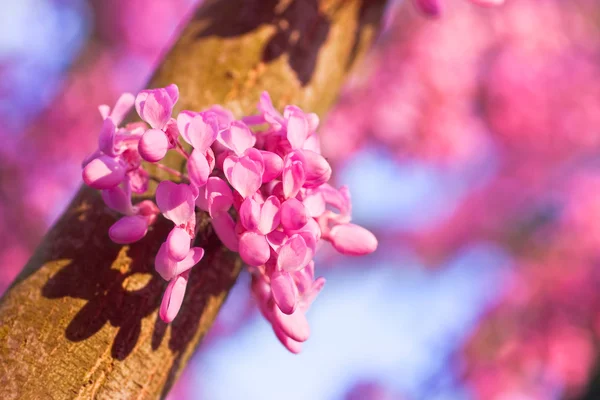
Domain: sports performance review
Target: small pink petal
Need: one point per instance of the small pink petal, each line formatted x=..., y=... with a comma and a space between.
x=293, y=215
x=153, y=145
x=106, y=139
x=122, y=107
x=173, y=92
x=245, y=177
x=224, y=227
x=293, y=178
x=297, y=130
x=254, y=249
x=250, y=214
x=173, y=297
x=312, y=293
x=191, y=259
x=220, y=196
x=198, y=168
x=276, y=239
x=148, y=210
x=270, y=215
x=201, y=132
x=313, y=122
x=271, y=115
x=238, y=137
x=116, y=199
x=273, y=166
x=138, y=180
x=103, y=173
x=154, y=106
x=292, y=255
x=293, y=325
x=256, y=156
x=312, y=143
x=128, y=229
x=165, y=265
x=184, y=118
x=352, y=239
x=316, y=168
x=304, y=277
x=285, y=292
x=314, y=202
x=178, y=243
x=175, y=201
x=293, y=346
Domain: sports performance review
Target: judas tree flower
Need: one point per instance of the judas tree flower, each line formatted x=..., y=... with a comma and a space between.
x=155, y=107
x=275, y=181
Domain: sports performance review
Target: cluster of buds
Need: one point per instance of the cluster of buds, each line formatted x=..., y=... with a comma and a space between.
x=265, y=190
x=433, y=8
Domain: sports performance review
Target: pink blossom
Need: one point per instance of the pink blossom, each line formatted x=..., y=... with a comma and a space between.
x=277, y=185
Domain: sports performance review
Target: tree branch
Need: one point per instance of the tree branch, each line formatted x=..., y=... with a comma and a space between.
x=81, y=320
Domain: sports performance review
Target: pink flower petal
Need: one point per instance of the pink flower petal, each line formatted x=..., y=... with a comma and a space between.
x=285, y=292
x=309, y=297
x=271, y=115
x=297, y=130
x=122, y=107
x=175, y=201
x=173, y=92
x=316, y=168
x=116, y=199
x=293, y=178
x=103, y=173
x=293, y=215
x=224, y=227
x=314, y=202
x=273, y=166
x=198, y=168
x=201, y=132
x=106, y=139
x=293, y=346
x=293, y=325
x=138, y=180
x=173, y=297
x=276, y=239
x=191, y=259
x=153, y=145
x=184, y=118
x=254, y=249
x=292, y=255
x=154, y=106
x=178, y=243
x=245, y=177
x=304, y=277
x=238, y=137
x=250, y=214
x=220, y=196
x=352, y=239
x=128, y=229
x=269, y=215
x=164, y=264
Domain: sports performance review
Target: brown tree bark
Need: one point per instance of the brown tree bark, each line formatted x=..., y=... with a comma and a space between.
x=81, y=320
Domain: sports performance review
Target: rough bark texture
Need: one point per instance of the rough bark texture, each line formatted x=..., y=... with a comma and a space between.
x=81, y=321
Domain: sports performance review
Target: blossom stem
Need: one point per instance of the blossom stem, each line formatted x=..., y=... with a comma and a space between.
x=182, y=151
x=171, y=171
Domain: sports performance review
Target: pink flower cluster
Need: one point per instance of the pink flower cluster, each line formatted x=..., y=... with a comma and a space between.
x=434, y=7
x=273, y=176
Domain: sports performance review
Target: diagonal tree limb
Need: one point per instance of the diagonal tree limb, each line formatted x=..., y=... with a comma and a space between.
x=81, y=321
